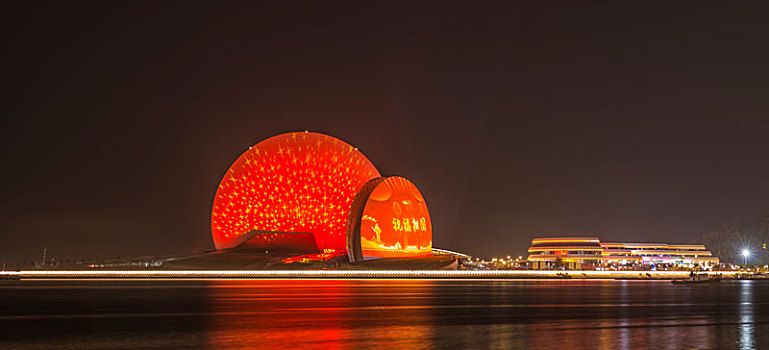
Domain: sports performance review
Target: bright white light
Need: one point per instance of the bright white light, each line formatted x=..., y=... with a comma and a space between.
x=745, y=253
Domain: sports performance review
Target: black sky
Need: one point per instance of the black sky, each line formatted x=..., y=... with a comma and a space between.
x=645, y=121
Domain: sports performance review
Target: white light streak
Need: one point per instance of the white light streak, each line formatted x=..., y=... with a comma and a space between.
x=331, y=274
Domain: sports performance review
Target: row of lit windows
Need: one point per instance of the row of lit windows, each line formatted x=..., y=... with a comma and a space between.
x=654, y=248
x=569, y=252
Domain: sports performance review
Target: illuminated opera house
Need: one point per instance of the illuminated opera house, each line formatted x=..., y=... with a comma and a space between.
x=307, y=194
x=590, y=252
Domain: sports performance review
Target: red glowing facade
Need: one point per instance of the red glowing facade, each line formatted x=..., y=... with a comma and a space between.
x=389, y=219
x=294, y=182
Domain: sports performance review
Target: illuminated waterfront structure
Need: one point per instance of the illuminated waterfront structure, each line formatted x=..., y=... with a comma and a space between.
x=294, y=182
x=590, y=252
x=572, y=252
x=657, y=253
x=311, y=193
x=389, y=219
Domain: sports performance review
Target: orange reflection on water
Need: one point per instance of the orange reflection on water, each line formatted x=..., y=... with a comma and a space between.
x=327, y=314
x=422, y=314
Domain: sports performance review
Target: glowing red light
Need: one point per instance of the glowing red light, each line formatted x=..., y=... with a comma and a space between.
x=389, y=220
x=294, y=182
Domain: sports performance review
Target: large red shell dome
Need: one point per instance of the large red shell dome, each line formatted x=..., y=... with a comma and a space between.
x=294, y=182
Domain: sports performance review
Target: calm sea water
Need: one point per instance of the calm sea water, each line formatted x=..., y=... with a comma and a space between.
x=403, y=314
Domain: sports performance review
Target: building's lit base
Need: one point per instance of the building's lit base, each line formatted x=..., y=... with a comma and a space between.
x=333, y=274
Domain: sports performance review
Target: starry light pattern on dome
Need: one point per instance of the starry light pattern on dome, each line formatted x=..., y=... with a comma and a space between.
x=294, y=182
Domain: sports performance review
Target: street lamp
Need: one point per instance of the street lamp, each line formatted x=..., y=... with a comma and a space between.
x=745, y=254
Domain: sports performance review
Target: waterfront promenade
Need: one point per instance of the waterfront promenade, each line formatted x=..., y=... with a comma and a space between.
x=375, y=274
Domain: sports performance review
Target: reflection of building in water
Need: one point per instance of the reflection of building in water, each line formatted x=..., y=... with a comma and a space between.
x=588, y=252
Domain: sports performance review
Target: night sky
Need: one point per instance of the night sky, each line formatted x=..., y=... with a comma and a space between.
x=640, y=122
